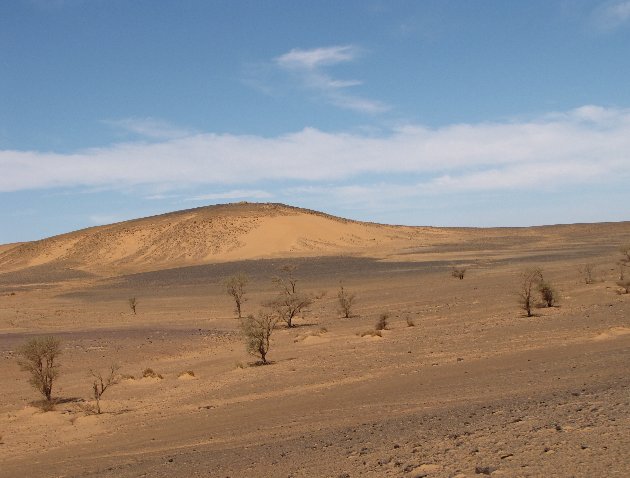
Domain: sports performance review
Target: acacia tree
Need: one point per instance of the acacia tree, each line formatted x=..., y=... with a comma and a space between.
x=102, y=383
x=257, y=332
x=346, y=301
x=288, y=306
x=235, y=286
x=38, y=357
x=289, y=302
x=530, y=279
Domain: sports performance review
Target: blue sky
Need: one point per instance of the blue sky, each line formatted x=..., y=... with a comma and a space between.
x=454, y=113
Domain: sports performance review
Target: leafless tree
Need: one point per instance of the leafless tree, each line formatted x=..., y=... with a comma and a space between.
x=38, y=357
x=235, y=286
x=346, y=301
x=287, y=280
x=257, y=332
x=101, y=383
x=587, y=271
x=529, y=282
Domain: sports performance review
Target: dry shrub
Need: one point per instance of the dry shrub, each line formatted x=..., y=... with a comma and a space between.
x=150, y=373
x=381, y=323
x=625, y=285
x=458, y=273
x=346, y=301
x=102, y=382
x=547, y=293
x=187, y=372
x=257, y=332
x=410, y=322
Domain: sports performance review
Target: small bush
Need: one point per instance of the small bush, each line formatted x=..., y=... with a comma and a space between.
x=410, y=322
x=346, y=302
x=458, y=273
x=187, y=372
x=625, y=285
x=547, y=294
x=381, y=323
x=240, y=364
x=150, y=373
x=133, y=303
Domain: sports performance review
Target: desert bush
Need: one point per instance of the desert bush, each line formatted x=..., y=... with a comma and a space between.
x=458, y=273
x=150, y=373
x=346, y=301
x=587, y=272
x=38, y=357
x=133, y=303
x=257, y=332
x=381, y=323
x=625, y=252
x=529, y=280
x=410, y=322
x=240, y=364
x=187, y=372
x=625, y=285
x=102, y=382
x=547, y=293
x=235, y=286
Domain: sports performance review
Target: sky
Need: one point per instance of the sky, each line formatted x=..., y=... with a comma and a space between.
x=439, y=113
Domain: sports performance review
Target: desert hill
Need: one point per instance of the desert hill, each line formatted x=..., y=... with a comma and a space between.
x=242, y=231
x=205, y=235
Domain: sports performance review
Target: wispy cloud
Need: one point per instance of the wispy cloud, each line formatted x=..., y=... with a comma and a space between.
x=612, y=15
x=309, y=67
x=588, y=145
x=149, y=128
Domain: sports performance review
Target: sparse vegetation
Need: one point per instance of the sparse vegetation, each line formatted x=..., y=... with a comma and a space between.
x=587, y=272
x=547, y=293
x=625, y=285
x=39, y=357
x=257, y=332
x=458, y=273
x=625, y=252
x=529, y=280
x=381, y=323
x=133, y=303
x=235, y=286
x=346, y=301
x=410, y=322
x=101, y=383
x=150, y=373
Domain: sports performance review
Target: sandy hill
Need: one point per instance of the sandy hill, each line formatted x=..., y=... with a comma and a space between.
x=205, y=235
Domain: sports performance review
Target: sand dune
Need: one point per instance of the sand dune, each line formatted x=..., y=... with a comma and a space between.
x=205, y=235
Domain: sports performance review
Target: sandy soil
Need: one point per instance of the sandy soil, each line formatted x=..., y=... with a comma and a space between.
x=474, y=388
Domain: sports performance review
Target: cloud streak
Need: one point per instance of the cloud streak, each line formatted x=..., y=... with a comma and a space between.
x=586, y=145
x=309, y=67
x=613, y=15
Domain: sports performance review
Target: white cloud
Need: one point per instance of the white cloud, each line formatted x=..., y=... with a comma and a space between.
x=308, y=66
x=582, y=146
x=317, y=57
x=613, y=15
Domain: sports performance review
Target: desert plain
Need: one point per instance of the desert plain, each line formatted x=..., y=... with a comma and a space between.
x=461, y=383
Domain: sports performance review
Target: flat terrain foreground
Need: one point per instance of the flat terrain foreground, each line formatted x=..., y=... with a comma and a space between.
x=473, y=388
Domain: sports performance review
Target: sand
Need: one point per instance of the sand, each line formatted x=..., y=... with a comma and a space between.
x=474, y=388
